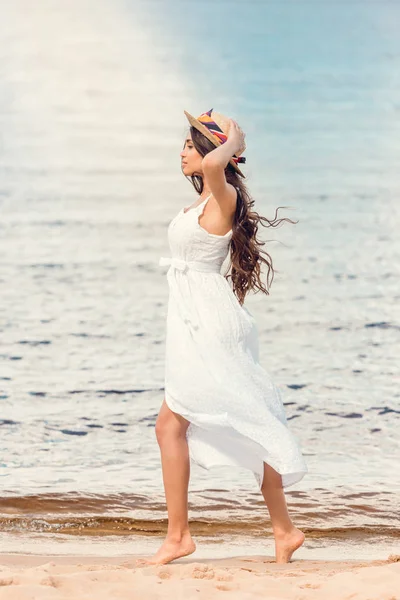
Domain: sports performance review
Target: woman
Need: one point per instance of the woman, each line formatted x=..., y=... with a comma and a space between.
x=220, y=406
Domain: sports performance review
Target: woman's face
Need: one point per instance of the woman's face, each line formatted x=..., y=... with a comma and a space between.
x=191, y=159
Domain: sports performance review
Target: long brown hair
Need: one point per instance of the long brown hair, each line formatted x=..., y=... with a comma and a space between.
x=246, y=254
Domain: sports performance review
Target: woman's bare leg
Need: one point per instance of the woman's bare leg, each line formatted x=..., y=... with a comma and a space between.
x=287, y=537
x=171, y=436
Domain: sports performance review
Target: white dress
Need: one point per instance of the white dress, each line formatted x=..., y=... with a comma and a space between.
x=213, y=377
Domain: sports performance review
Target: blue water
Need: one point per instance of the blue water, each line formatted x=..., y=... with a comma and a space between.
x=91, y=115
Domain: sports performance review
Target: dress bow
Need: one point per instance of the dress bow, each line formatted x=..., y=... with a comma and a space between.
x=177, y=263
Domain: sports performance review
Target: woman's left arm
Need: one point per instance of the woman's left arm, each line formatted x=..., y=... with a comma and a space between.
x=214, y=164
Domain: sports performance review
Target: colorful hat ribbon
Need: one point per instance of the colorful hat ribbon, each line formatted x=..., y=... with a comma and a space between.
x=214, y=128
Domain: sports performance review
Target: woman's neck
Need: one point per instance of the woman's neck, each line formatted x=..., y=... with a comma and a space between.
x=206, y=192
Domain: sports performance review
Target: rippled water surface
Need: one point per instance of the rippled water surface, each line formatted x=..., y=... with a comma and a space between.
x=91, y=116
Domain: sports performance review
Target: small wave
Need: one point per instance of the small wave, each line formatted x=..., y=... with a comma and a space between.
x=104, y=526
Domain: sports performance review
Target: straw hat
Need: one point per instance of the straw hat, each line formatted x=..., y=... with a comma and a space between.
x=215, y=127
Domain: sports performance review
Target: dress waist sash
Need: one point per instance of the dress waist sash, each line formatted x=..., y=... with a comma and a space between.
x=186, y=306
x=183, y=265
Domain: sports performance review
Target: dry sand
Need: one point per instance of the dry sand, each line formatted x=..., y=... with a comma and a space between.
x=33, y=577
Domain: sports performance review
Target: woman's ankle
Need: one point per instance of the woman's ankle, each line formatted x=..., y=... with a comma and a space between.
x=176, y=535
x=283, y=531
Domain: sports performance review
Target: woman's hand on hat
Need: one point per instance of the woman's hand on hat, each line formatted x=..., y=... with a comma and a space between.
x=236, y=137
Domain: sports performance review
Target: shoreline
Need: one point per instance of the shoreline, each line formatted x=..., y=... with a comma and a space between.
x=120, y=547
x=29, y=560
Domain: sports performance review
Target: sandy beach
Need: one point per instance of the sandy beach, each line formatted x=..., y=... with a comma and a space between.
x=33, y=577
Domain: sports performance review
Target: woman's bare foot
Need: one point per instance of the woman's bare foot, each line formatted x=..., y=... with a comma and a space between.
x=286, y=544
x=170, y=550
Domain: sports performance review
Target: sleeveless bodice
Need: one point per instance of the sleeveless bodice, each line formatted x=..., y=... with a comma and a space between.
x=190, y=242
